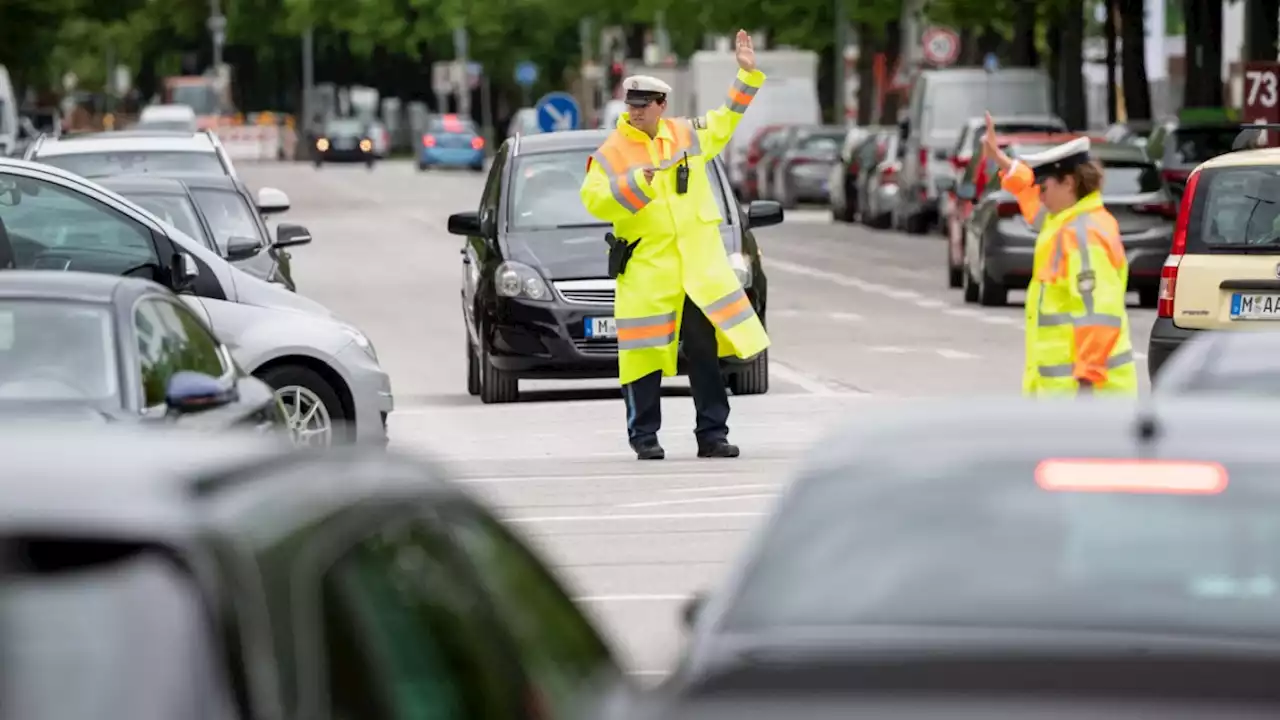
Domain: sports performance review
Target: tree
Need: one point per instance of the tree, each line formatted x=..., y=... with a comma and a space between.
x=1203, y=77
x=1133, y=59
x=1262, y=29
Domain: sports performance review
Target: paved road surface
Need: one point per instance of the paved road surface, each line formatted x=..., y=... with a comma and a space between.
x=857, y=317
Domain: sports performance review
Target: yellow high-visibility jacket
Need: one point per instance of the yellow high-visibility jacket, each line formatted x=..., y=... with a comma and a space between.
x=681, y=251
x=1077, y=326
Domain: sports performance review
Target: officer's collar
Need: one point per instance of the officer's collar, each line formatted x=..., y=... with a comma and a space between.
x=631, y=131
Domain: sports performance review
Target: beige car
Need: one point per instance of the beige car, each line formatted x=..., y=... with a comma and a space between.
x=1223, y=270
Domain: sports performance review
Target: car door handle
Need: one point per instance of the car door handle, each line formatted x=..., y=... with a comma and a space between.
x=466, y=259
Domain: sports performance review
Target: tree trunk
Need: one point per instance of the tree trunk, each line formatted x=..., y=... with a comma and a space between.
x=868, y=45
x=1054, y=42
x=1024, y=36
x=970, y=53
x=892, y=50
x=1071, y=65
x=1203, y=81
x=1109, y=29
x=1133, y=60
x=1262, y=29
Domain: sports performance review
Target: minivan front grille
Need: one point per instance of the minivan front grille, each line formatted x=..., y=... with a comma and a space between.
x=586, y=292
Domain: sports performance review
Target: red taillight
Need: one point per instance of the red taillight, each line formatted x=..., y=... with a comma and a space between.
x=924, y=157
x=428, y=141
x=1174, y=175
x=477, y=143
x=1008, y=209
x=1166, y=209
x=960, y=163
x=801, y=161
x=889, y=176
x=1169, y=273
x=753, y=157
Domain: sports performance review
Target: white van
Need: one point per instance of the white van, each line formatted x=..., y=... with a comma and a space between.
x=942, y=101
x=181, y=118
x=8, y=115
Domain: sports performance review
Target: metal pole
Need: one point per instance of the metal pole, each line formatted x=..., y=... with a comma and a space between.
x=842, y=40
x=463, y=87
x=586, y=90
x=486, y=109
x=308, y=75
x=217, y=28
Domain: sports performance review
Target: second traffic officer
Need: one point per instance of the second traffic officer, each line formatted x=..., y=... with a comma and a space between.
x=649, y=180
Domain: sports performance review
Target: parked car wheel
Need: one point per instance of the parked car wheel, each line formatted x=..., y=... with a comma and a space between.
x=312, y=409
x=753, y=378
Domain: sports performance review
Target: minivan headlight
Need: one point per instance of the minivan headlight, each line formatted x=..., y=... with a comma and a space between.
x=513, y=280
x=741, y=267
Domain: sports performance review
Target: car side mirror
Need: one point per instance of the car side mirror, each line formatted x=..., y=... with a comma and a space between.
x=242, y=248
x=690, y=610
x=185, y=271
x=967, y=191
x=288, y=235
x=271, y=200
x=465, y=223
x=763, y=213
x=192, y=392
x=945, y=184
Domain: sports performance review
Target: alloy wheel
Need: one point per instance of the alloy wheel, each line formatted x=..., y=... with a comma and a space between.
x=307, y=417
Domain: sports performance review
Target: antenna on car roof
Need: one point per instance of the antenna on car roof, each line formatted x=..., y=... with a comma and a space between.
x=1250, y=134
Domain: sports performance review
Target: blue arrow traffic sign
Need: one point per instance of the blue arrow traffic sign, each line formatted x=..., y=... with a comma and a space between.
x=558, y=111
x=526, y=73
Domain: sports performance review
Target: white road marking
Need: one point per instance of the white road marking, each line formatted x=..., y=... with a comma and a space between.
x=930, y=304
x=1139, y=356
x=964, y=312
x=640, y=517
x=845, y=316
x=808, y=383
x=897, y=294
x=893, y=349
x=998, y=320
x=694, y=501
x=955, y=354
x=720, y=488
x=596, y=476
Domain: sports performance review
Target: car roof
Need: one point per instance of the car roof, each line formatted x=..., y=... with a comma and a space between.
x=80, y=286
x=1243, y=158
x=561, y=141
x=126, y=141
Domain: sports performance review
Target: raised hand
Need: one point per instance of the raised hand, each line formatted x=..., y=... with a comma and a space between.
x=744, y=51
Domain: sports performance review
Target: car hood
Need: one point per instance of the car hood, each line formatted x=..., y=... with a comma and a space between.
x=575, y=254
x=255, y=291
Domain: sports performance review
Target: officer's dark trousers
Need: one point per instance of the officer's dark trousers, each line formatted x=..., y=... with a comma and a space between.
x=710, y=399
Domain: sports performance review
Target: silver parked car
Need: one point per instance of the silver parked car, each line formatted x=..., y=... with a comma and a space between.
x=802, y=173
x=323, y=369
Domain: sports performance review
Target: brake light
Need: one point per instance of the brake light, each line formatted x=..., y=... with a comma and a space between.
x=753, y=156
x=960, y=163
x=428, y=141
x=1173, y=176
x=924, y=158
x=477, y=143
x=1169, y=273
x=1008, y=209
x=889, y=176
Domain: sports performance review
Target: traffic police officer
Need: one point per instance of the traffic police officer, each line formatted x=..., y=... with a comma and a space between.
x=1077, y=325
x=649, y=180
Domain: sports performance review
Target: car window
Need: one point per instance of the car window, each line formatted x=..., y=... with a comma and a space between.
x=228, y=215
x=407, y=636
x=56, y=351
x=1001, y=552
x=952, y=102
x=1194, y=145
x=454, y=125
x=171, y=339
x=100, y=630
x=345, y=127
x=104, y=164
x=175, y=210
x=545, y=188
x=1129, y=178
x=820, y=144
x=48, y=227
x=559, y=649
x=1237, y=206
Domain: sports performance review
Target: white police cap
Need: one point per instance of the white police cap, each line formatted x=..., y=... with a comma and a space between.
x=644, y=89
x=1060, y=159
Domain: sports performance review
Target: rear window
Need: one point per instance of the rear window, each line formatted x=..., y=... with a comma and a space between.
x=826, y=144
x=451, y=126
x=1238, y=206
x=951, y=104
x=1194, y=145
x=95, y=165
x=929, y=541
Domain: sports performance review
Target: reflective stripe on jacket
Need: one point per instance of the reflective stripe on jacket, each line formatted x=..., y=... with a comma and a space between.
x=681, y=251
x=1077, y=325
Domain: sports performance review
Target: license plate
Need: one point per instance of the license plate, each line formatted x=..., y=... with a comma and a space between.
x=600, y=328
x=1250, y=306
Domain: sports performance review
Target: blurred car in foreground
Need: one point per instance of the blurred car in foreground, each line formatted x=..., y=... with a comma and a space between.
x=95, y=155
x=1223, y=363
x=325, y=371
x=233, y=577
x=121, y=349
x=344, y=139
x=536, y=296
x=220, y=212
x=451, y=141
x=1074, y=560
x=1223, y=270
x=999, y=244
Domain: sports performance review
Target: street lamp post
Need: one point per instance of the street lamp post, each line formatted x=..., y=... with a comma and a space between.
x=218, y=31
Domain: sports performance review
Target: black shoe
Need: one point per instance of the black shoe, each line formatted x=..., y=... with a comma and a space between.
x=717, y=449
x=650, y=450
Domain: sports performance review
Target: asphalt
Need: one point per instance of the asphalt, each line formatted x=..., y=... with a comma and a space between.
x=857, y=317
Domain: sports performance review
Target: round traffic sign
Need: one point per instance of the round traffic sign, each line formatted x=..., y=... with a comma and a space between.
x=941, y=46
